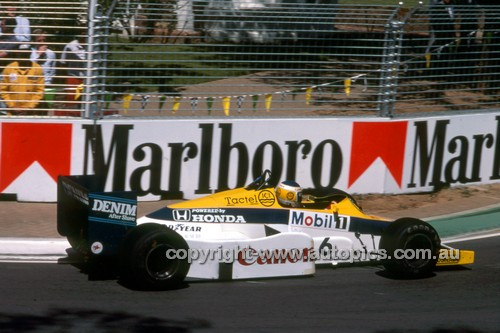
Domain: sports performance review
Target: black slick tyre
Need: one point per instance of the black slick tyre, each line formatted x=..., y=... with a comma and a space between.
x=412, y=248
x=143, y=258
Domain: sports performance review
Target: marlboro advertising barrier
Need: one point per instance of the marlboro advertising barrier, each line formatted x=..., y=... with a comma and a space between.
x=175, y=159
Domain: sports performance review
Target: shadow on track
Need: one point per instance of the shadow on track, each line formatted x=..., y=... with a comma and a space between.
x=59, y=320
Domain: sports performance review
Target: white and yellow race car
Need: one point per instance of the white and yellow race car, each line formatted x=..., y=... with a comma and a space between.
x=243, y=233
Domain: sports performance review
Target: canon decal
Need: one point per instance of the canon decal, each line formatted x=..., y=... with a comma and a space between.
x=250, y=256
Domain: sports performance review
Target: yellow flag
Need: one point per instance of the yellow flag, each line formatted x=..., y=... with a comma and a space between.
x=269, y=98
x=308, y=95
x=126, y=102
x=427, y=60
x=226, y=103
x=347, y=86
x=177, y=103
x=78, y=92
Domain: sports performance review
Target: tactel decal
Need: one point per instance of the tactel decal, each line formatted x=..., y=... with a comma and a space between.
x=265, y=198
x=252, y=200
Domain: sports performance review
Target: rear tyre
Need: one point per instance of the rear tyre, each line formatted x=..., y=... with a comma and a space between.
x=144, y=262
x=79, y=244
x=412, y=247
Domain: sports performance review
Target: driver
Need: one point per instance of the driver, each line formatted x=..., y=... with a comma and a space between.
x=289, y=194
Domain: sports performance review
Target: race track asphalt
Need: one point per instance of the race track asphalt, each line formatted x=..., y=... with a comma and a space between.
x=60, y=298
x=43, y=297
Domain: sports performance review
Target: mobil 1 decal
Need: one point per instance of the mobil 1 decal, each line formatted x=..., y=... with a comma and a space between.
x=318, y=220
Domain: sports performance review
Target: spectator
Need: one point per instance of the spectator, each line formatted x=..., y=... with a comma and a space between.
x=442, y=22
x=73, y=58
x=22, y=30
x=469, y=16
x=8, y=41
x=491, y=42
x=468, y=13
x=41, y=54
x=442, y=36
x=22, y=83
x=8, y=45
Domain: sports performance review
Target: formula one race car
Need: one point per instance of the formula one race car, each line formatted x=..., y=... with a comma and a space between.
x=242, y=233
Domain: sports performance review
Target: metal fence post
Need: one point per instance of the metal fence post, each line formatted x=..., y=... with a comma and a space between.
x=90, y=106
x=391, y=61
x=390, y=67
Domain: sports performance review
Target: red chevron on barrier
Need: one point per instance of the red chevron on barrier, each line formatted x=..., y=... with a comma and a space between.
x=372, y=140
x=22, y=144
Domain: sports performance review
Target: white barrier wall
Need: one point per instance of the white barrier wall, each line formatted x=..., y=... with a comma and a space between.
x=192, y=157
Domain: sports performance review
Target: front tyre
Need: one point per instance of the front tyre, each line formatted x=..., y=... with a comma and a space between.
x=144, y=261
x=412, y=247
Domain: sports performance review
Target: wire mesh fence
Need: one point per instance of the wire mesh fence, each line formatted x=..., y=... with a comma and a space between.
x=450, y=59
x=42, y=31
x=247, y=58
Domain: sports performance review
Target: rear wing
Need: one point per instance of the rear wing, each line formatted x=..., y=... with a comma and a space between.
x=92, y=220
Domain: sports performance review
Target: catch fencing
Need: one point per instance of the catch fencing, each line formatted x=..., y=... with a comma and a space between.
x=257, y=58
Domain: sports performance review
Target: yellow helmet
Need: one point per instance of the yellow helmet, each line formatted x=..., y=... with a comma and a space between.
x=289, y=193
